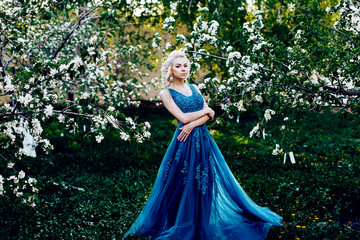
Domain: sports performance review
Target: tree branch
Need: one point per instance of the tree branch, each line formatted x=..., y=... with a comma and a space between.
x=8, y=62
x=74, y=113
x=322, y=25
x=340, y=91
x=222, y=58
x=1, y=64
x=55, y=111
x=77, y=25
x=325, y=88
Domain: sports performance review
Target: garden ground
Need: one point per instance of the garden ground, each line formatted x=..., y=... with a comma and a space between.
x=96, y=191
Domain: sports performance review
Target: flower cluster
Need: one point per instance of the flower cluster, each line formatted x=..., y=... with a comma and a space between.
x=24, y=189
x=349, y=15
x=46, y=77
x=309, y=72
x=268, y=113
x=277, y=150
x=168, y=24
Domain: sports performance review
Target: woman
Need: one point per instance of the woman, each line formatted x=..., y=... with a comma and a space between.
x=195, y=195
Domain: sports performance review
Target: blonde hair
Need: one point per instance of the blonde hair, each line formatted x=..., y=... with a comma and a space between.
x=166, y=66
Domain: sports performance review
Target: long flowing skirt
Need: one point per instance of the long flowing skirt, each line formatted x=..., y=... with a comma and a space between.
x=196, y=197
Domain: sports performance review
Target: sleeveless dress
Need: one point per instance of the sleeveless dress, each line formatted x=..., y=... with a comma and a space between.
x=195, y=196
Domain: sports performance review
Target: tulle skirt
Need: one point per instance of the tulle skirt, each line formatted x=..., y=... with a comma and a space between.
x=196, y=197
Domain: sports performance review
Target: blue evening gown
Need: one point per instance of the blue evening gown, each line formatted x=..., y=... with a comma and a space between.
x=195, y=196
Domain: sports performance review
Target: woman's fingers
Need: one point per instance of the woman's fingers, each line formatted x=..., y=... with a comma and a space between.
x=183, y=136
x=212, y=114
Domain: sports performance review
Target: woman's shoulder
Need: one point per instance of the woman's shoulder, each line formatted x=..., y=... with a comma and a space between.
x=164, y=93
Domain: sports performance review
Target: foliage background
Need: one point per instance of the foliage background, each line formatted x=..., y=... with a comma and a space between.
x=90, y=190
x=94, y=191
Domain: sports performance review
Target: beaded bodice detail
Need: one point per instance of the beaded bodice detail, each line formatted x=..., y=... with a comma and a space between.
x=192, y=103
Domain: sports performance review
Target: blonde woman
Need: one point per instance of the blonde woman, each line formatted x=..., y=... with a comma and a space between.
x=195, y=195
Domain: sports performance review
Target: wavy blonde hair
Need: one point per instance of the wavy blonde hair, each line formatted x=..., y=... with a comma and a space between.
x=166, y=66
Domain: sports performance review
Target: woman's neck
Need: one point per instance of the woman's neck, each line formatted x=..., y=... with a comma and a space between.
x=178, y=83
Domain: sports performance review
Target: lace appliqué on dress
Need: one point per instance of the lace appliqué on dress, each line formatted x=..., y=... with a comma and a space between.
x=202, y=177
x=197, y=139
x=169, y=163
x=192, y=103
x=185, y=171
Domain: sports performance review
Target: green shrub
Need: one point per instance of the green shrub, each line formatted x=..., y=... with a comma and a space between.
x=96, y=191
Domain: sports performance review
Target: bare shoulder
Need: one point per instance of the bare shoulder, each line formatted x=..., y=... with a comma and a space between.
x=164, y=94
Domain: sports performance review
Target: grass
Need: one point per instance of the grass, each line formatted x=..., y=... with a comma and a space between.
x=96, y=191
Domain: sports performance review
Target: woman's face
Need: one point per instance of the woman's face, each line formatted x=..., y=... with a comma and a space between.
x=180, y=68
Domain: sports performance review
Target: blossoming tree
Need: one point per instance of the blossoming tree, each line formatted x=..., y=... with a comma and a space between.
x=316, y=68
x=70, y=63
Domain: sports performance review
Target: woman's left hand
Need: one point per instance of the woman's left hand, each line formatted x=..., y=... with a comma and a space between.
x=185, y=132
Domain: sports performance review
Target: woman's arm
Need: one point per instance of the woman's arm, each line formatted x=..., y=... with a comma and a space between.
x=187, y=128
x=176, y=111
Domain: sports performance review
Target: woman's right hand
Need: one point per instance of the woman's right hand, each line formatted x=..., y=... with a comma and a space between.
x=211, y=113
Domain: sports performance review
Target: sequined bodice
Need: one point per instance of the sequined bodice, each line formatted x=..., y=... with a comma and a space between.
x=192, y=103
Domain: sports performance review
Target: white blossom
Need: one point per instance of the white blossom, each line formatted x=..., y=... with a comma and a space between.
x=258, y=98
x=99, y=138
x=180, y=37
x=77, y=61
x=61, y=118
x=291, y=7
x=201, y=86
x=37, y=129
x=167, y=45
x=1, y=185
x=298, y=34
x=167, y=24
x=63, y=67
x=8, y=84
x=21, y=174
x=221, y=87
x=124, y=136
x=229, y=48
x=10, y=165
x=46, y=145
x=93, y=39
x=277, y=150
x=91, y=51
x=25, y=100
x=232, y=57
x=268, y=113
x=53, y=72
x=255, y=130
x=84, y=95
x=48, y=110
x=213, y=27
x=240, y=106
